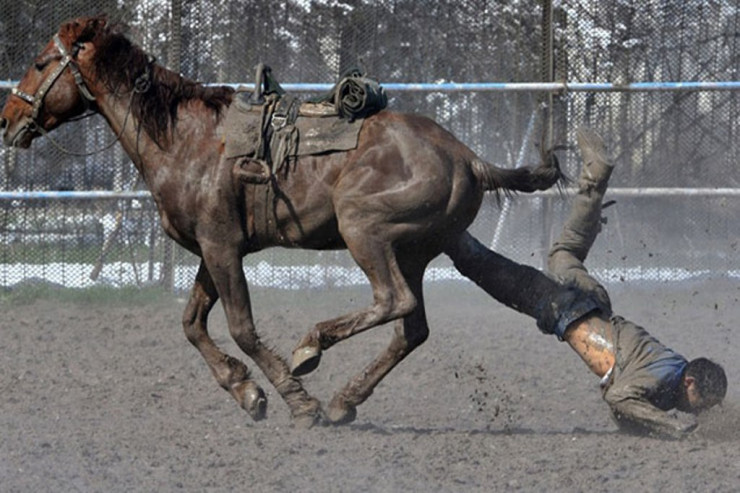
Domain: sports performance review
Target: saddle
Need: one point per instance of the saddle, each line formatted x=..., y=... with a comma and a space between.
x=267, y=129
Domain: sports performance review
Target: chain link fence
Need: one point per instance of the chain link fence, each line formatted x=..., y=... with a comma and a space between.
x=675, y=184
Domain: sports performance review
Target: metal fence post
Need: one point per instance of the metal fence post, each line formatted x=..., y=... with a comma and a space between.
x=547, y=74
x=174, y=61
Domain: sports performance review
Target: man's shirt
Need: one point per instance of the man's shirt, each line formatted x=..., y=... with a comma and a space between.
x=646, y=380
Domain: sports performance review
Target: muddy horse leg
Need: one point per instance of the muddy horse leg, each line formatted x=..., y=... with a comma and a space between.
x=392, y=299
x=226, y=272
x=409, y=333
x=231, y=374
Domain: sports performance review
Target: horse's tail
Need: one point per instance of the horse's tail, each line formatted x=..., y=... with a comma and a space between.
x=525, y=179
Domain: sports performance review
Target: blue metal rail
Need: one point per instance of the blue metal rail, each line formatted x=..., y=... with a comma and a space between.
x=506, y=86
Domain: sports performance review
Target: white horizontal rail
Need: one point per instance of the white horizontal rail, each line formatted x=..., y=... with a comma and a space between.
x=504, y=86
x=664, y=192
x=650, y=192
x=145, y=195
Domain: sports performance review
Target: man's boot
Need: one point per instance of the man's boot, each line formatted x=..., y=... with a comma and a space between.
x=584, y=221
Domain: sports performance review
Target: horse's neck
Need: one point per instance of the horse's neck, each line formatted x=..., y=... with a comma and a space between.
x=137, y=144
x=151, y=157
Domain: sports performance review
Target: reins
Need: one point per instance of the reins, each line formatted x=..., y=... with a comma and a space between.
x=34, y=127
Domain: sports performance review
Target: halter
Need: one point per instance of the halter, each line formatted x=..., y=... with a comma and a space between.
x=141, y=85
x=37, y=100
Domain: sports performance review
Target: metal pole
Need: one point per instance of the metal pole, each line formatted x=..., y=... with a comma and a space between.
x=553, y=86
x=547, y=76
x=145, y=195
x=174, y=61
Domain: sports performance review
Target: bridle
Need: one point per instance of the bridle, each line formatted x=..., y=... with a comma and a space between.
x=141, y=85
x=37, y=100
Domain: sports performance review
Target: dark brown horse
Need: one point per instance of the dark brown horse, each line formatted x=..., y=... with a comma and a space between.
x=395, y=202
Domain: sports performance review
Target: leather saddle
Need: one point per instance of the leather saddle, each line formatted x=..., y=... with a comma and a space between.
x=264, y=127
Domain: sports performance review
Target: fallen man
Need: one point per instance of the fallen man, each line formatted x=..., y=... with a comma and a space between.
x=641, y=378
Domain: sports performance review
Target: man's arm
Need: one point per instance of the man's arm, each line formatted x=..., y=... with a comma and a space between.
x=639, y=416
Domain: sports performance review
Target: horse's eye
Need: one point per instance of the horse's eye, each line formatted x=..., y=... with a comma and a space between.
x=41, y=64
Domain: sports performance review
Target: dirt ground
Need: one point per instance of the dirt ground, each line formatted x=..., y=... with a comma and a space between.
x=111, y=397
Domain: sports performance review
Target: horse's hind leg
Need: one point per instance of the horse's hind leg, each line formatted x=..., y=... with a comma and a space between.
x=392, y=299
x=231, y=374
x=410, y=332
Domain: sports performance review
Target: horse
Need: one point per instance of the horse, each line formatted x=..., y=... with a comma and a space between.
x=405, y=193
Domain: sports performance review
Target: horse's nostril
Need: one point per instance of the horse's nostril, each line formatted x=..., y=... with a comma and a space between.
x=3, y=122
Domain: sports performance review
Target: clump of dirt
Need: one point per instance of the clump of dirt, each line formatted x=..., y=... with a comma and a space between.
x=492, y=399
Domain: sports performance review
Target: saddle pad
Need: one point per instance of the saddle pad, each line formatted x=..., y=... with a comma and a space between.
x=242, y=128
x=316, y=134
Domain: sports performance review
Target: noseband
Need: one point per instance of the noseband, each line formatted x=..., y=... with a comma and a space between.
x=37, y=100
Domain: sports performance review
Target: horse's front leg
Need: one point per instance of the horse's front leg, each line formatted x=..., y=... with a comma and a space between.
x=225, y=267
x=231, y=374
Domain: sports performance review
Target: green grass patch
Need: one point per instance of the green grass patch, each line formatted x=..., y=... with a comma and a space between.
x=27, y=293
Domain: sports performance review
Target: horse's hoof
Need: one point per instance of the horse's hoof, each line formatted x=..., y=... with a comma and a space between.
x=254, y=400
x=305, y=422
x=305, y=360
x=308, y=421
x=341, y=413
x=308, y=414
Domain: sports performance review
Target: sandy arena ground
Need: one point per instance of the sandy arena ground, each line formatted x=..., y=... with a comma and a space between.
x=111, y=397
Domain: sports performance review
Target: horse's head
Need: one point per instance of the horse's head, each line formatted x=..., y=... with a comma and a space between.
x=56, y=87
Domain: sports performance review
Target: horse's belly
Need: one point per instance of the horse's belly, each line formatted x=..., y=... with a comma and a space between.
x=324, y=236
x=294, y=225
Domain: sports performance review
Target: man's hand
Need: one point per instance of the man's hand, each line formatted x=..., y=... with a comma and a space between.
x=641, y=417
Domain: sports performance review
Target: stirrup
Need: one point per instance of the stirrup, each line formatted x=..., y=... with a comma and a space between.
x=249, y=175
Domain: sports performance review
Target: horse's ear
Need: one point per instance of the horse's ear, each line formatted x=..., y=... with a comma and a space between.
x=91, y=28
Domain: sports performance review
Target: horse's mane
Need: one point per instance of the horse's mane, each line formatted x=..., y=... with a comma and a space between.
x=118, y=63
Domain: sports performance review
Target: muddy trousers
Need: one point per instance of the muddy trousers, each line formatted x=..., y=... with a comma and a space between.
x=566, y=257
x=525, y=289
x=571, y=293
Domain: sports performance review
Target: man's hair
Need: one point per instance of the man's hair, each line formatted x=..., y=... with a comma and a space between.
x=709, y=378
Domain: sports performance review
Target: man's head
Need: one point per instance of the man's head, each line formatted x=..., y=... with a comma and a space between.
x=705, y=385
